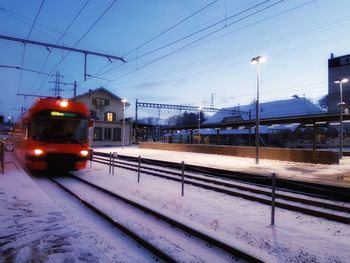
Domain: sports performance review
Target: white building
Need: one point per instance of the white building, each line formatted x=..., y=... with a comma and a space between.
x=107, y=112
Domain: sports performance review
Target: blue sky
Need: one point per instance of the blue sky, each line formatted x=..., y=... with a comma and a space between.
x=296, y=36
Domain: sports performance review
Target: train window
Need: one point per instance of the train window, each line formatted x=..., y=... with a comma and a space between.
x=59, y=129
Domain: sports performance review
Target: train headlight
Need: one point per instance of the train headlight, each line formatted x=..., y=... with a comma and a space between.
x=84, y=153
x=63, y=103
x=38, y=152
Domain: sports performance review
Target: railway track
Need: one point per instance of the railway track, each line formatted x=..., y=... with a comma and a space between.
x=167, y=238
x=314, y=206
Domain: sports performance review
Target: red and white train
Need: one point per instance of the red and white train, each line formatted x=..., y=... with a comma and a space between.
x=53, y=133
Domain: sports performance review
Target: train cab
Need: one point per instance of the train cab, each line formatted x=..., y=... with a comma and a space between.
x=54, y=134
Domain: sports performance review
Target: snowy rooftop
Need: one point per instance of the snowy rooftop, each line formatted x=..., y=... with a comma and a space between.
x=279, y=108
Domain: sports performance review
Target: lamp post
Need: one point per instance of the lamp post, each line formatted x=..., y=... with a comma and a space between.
x=123, y=138
x=257, y=60
x=340, y=104
x=10, y=120
x=199, y=124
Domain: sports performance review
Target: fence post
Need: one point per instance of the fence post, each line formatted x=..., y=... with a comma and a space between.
x=114, y=156
x=91, y=157
x=110, y=162
x=138, y=170
x=273, y=199
x=183, y=178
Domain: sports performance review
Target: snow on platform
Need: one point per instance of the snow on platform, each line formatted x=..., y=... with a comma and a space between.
x=295, y=237
x=36, y=227
x=337, y=174
x=33, y=227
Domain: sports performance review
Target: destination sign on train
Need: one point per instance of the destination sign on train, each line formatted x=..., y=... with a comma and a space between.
x=63, y=114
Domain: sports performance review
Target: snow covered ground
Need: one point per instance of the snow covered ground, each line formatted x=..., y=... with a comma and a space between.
x=35, y=226
x=337, y=174
x=41, y=223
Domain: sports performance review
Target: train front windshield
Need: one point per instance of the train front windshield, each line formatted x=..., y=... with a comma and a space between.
x=60, y=127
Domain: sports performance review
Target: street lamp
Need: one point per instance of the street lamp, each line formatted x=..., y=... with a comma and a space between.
x=10, y=120
x=341, y=103
x=123, y=138
x=257, y=60
x=199, y=124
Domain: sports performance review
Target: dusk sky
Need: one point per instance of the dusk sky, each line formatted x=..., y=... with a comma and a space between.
x=176, y=51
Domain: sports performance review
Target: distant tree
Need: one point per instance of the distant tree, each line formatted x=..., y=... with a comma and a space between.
x=149, y=121
x=174, y=120
x=186, y=119
x=323, y=102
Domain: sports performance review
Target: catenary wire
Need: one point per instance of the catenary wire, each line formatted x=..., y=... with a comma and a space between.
x=198, y=64
x=163, y=32
x=24, y=47
x=62, y=35
x=226, y=56
x=91, y=27
x=191, y=43
x=193, y=34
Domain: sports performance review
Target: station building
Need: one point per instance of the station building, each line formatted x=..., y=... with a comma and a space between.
x=107, y=112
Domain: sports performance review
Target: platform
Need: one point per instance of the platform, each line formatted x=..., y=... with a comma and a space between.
x=336, y=174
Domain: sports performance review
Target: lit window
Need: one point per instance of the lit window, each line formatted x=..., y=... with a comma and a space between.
x=109, y=116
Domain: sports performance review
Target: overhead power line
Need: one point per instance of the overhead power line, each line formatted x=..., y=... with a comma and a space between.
x=36, y=17
x=91, y=27
x=196, y=40
x=250, y=49
x=202, y=30
x=27, y=21
x=165, y=31
x=62, y=35
x=168, y=29
x=24, y=48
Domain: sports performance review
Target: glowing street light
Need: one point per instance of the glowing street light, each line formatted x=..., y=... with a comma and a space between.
x=123, y=138
x=341, y=104
x=257, y=60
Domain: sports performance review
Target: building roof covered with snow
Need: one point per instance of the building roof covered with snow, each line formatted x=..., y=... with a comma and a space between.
x=274, y=109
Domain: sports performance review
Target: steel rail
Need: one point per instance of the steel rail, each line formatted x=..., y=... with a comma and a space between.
x=263, y=200
x=312, y=189
x=240, y=186
x=234, y=251
x=143, y=242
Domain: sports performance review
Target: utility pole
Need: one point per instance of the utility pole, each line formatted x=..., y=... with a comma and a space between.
x=57, y=82
x=57, y=88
